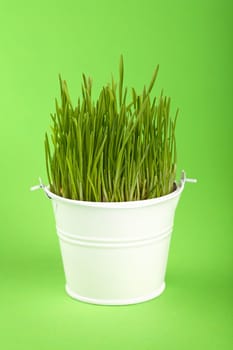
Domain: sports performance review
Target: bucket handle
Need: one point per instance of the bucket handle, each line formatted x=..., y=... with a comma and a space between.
x=183, y=180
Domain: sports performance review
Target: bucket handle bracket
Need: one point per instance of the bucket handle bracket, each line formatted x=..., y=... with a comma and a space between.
x=184, y=178
x=40, y=186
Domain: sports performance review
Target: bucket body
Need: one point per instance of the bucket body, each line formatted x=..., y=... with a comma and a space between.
x=115, y=253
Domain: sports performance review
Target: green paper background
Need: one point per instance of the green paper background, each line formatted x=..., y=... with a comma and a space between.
x=192, y=42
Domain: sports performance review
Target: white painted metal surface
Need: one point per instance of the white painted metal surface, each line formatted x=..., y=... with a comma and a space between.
x=115, y=253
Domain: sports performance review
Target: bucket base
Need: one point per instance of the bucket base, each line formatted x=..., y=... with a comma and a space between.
x=153, y=295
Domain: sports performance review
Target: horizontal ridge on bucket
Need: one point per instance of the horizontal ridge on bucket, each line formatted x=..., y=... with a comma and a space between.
x=113, y=243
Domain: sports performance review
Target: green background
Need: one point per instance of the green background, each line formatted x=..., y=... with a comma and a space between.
x=192, y=43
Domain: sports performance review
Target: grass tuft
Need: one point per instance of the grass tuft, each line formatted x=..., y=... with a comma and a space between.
x=112, y=150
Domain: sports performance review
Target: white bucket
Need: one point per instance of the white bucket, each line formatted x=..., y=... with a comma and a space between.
x=115, y=253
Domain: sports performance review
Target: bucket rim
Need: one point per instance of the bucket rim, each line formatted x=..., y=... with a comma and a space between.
x=125, y=204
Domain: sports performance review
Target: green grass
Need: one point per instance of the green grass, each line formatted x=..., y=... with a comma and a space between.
x=119, y=148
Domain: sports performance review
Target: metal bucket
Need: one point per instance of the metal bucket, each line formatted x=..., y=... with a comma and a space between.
x=115, y=253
